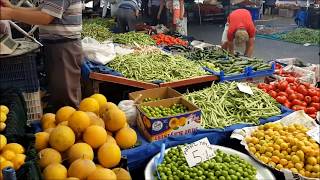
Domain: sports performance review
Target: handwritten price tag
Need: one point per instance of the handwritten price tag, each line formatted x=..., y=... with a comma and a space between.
x=245, y=88
x=198, y=152
x=314, y=133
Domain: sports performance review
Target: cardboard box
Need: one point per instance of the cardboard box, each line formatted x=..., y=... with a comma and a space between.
x=155, y=129
x=162, y=93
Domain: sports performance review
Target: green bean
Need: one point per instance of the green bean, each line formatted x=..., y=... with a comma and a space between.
x=302, y=36
x=154, y=66
x=224, y=105
x=133, y=37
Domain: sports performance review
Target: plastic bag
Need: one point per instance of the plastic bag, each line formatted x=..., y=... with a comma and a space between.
x=304, y=75
x=100, y=53
x=316, y=69
x=129, y=108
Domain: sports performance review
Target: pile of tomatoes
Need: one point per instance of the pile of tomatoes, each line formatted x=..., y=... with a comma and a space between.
x=162, y=39
x=294, y=95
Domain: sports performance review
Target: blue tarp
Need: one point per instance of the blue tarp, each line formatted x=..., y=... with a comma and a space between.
x=137, y=157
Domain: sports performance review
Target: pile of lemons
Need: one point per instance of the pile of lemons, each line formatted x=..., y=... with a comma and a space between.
x=84, y=143
x=4, y=110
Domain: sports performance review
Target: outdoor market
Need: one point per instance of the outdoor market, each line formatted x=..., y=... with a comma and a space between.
x=159, y=90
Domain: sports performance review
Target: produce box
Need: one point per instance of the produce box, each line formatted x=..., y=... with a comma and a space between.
x=155, y=129
x=154, y=94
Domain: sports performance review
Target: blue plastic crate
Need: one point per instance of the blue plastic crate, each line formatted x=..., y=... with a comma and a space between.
x=261, y=73
x=223, y=77
x=89, y=66
x=19, y=72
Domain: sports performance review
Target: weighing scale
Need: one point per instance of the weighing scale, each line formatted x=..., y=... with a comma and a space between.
x=7, y=45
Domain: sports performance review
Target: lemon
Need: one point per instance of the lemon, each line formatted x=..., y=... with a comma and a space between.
x=4, y=109
x=3, y=117
x=3, y=141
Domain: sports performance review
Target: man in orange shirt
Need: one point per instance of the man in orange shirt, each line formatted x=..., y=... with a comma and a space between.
x=240, y=29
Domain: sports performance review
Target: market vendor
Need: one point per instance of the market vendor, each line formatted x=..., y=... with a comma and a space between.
x=127, y=14
x=175, y=14
x=60, y=31
x=5, y=27
x=239, y=31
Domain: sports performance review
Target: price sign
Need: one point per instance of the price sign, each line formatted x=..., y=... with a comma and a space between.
x=198, y=152
x=245, y=88
x=314, y=133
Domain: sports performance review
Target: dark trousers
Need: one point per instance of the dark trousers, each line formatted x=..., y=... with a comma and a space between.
x=126, y=20
x=154, y=14
x=63, y=65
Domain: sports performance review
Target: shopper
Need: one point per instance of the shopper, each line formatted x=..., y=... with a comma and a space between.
x=60, y=31
x=153, y=8
x=175, y=14
x=240, y=29
x=127, y=14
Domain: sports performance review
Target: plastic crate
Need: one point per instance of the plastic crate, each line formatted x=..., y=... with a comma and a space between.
x=34, y=108
x=261, y=73
x=89, y=66
x=223, y=77
x=19, y=72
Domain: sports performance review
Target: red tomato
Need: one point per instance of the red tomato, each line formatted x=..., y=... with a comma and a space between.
x=304, y=104
x=283, y=85
x=315, y=99
x=289, y=91
x=281, y=99
x=307, y=85
x=271, y=87
x=307, y=99
x=313, y=116
x=272, y=93
x=311, y=110
x=316, y=105
x=312, y=92
x=297, y=107
x=292, y=96
x=302, y=89
x=296, y=102
x=287, y=104
x=262, y=85
x=292, y=86
x=282, y=94
x=290, y=79
x=300, y=96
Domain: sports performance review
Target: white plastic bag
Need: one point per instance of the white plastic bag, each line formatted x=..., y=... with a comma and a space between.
x=129, y=108
x=316, y=69
x=101, y=53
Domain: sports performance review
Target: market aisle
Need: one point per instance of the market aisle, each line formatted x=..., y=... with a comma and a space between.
x=264, y=48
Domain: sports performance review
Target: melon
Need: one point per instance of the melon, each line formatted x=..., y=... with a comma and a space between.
x=95, y=120
x=89, y=105
x=55, y=171
x=64, y=113
x=122, y=174
x=126, y=137
x=95, y=136
x=81, y=168
x=102, y=100
x=61, y=138
x=80, y=150
x=109, y=155
x=42, y=140
x=48, y=156
x=79, y=121
x=115, y=119
x=102, y=173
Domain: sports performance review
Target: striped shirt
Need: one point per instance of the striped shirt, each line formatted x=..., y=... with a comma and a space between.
x=67, y=22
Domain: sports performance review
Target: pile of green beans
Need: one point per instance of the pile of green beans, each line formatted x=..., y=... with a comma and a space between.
x=224, y=105
x=155, y=66
x=221, y=167
x=96, y=31
x=107, y=23
x=302, y=36
x=133, y=37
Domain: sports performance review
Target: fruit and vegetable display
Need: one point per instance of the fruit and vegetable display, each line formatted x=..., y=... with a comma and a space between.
x=222, y=166
x=220, y=60
x=4, y=111
x=167, y=40
x=84, y=143
x=302, y=36
x=294, y=95
x=224, y=105
x=177, y=49
x=131, y=38
x=160, y=111
x=150, y=99
x=286, y=147
x=107, y=23
x=155, y=66
x=11, y=155
x=96, y=30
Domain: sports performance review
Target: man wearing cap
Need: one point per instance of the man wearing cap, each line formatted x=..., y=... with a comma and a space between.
x=239, y=31
x=60, y=25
